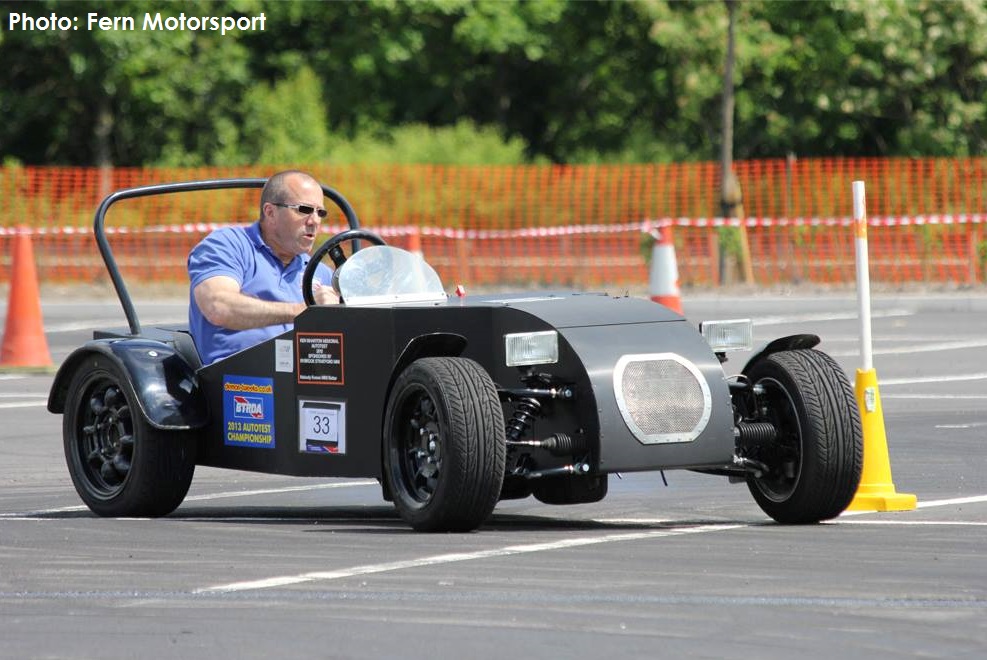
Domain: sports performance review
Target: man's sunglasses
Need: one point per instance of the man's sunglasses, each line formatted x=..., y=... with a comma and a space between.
x=304, y=209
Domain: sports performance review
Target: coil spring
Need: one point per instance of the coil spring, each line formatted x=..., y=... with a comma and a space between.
x=756, y=433
x=525, y=412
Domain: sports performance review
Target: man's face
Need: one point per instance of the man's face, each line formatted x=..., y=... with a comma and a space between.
x=288, y=231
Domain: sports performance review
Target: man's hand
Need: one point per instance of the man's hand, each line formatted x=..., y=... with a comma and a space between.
x=324, y=295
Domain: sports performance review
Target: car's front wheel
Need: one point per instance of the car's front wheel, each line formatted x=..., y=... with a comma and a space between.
x=815, y=461
x=120, y=465
x=444, y=444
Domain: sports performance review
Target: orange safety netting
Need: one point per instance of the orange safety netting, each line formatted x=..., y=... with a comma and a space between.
x=579, y=225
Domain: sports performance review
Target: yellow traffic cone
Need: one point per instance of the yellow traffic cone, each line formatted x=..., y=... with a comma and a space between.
x=876, y=490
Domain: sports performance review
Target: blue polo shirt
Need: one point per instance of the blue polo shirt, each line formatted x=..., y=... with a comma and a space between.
x=241, y=253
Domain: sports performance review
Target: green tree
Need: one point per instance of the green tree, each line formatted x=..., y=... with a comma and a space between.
x=117, y=97
x=575, y=81
x=865, y=77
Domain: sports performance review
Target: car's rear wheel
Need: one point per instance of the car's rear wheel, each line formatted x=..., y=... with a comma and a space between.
x=119, y=463
x=815, y=462
x=444, y=445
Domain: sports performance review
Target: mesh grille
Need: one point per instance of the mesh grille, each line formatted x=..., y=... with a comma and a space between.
x=662, y=398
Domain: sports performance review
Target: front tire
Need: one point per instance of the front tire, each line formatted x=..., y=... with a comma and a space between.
x=444, y=445
x=816, y=460
x=121, y=466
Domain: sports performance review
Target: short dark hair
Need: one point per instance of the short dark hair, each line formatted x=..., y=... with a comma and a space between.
x=274, y=190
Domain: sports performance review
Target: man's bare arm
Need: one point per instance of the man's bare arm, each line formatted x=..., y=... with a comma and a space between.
x=221, y=302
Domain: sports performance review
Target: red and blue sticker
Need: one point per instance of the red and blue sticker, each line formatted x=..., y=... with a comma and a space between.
x=248, y=411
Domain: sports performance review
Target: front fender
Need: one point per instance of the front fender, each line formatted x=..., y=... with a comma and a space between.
x=789, y=343
x=438, y=344
x=164, y=384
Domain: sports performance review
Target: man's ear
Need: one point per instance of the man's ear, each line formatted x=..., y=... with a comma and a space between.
x=267, y=216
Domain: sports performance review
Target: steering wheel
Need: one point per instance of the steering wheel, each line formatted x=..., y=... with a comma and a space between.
x=333, y=247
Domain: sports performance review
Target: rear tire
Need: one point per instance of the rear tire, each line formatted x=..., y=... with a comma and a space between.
x=816, y=461
x=121, y=466
x=444, y=445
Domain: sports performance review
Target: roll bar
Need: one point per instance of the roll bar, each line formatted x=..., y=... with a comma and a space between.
x=166, y=188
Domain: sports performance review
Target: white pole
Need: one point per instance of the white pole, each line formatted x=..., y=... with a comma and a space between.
x=863, y=273
x=876, y=490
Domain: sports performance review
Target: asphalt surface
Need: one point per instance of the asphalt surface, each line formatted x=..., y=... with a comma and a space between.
x=257, y=566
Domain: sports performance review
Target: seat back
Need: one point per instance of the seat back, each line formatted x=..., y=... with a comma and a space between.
x=185, y=346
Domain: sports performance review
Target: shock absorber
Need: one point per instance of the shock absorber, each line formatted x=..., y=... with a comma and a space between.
x=753, y=434
x=526, y=410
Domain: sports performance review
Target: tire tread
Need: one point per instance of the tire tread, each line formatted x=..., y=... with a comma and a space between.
x=474, y=446
x=162, y=466
x=832, y=444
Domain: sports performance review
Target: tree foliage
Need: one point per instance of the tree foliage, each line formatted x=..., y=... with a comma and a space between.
x=460, y=80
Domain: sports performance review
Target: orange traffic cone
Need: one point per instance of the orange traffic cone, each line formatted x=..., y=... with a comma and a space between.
x=415, y=241
x=663, y=280
x=24, y=342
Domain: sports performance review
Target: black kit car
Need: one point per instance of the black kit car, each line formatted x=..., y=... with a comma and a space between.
x=453, y=403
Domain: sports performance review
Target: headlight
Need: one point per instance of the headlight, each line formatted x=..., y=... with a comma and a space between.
x=527, y=348
x=732, y=335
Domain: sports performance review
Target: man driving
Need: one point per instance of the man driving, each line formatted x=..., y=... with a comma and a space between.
x=245, y=283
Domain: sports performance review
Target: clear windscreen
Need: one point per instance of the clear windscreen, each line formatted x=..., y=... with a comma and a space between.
x=383, y=274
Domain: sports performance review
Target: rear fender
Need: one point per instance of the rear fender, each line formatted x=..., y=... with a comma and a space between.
x=164, y=384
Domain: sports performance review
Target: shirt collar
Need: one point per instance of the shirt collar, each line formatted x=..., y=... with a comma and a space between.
x=253, y=232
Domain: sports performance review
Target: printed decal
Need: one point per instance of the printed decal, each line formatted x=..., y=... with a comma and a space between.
x=248, y=411
x=321, y=426
x=284, y=355
x=320, y=358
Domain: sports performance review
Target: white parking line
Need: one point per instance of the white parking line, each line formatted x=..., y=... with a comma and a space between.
x=891, y=339
x=506, y=551
x=367, y=569
x=827, y=316
x=933, y=379
x=277, y=491
x=40, y=515
x=280, y=581
x=931, y=397
x=116, y=322
x=945, y=523
x=919, y=348
x=972, y=499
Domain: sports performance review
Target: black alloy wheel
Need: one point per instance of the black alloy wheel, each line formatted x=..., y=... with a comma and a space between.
x=444, y=444
x=816, y=459
x=119, y=463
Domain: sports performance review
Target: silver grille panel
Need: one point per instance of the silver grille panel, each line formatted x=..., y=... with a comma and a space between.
x=662, y=397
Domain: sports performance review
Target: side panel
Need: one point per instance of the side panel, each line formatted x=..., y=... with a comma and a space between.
x=327, y=384
x=307, y=403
